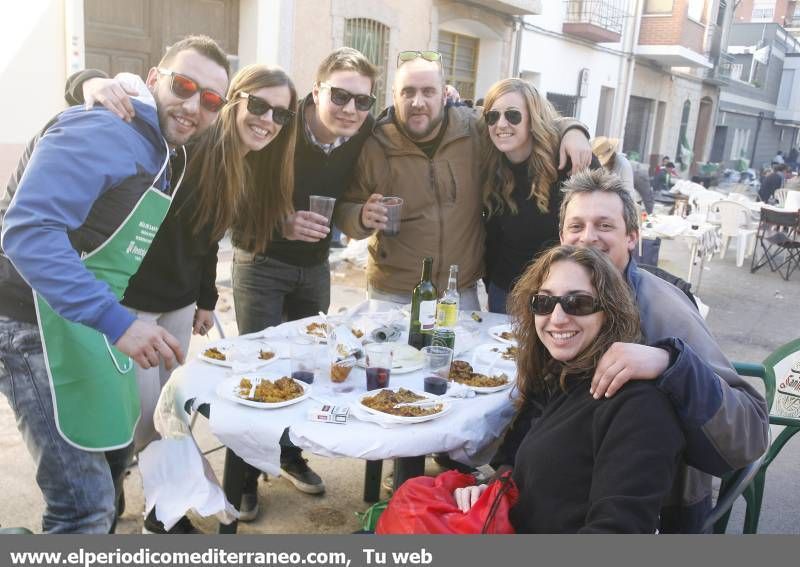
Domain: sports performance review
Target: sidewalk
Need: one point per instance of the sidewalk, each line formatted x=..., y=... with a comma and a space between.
x=750, y=315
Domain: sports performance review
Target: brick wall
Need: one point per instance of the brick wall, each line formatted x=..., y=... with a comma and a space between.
x=672, y=29
x=783, y=9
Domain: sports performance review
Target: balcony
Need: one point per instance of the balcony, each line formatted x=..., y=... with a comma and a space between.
x=724, y=71
x=599, y=21
x=514, y=7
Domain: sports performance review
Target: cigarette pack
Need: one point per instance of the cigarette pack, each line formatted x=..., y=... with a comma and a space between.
x=330, y=414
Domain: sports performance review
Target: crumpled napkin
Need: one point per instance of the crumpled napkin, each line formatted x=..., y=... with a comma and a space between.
x=456, y=390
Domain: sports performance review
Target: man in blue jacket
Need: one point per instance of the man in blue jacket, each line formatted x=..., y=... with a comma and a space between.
x=725, y=419
x=77, y=218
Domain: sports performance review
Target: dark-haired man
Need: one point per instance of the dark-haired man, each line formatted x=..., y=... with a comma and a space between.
x=77, y=218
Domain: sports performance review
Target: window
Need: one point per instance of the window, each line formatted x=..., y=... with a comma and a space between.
x=566, y=105
x=763, y=11
x=687, y=108
x=459, y=61
x=696, y=9
x=658, y=6
x=372, y=39
x=637, y=125
x=785, y=93
x=741, y=140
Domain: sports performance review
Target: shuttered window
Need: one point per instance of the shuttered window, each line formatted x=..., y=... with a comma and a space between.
x=372, y=39
x=459, y=61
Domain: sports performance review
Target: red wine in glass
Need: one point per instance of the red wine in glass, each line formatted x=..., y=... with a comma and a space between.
x=377, y=378
x=304, y=376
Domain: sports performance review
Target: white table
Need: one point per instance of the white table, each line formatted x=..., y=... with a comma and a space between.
x=703, y=241
x=468, y=433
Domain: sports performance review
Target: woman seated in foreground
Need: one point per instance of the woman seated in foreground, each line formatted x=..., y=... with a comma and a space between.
x=585, y=465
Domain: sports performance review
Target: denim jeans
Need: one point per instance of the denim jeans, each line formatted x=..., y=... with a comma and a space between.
x=267, y=292
x=77, y=485
x=497, y=298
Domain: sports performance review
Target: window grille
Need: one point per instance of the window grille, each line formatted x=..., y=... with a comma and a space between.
x=371, y=38
x=460, y=62
x=566, y=105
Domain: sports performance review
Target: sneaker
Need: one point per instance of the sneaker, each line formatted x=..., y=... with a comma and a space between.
x=248, y=509
x=304, y=479
x=153, y=526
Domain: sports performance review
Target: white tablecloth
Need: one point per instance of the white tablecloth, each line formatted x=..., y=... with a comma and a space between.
x=469, y=432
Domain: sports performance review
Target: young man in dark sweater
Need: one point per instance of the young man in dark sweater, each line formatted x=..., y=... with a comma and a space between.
x=291, y=279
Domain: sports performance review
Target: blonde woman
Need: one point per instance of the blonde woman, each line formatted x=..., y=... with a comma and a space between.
x=521, y=183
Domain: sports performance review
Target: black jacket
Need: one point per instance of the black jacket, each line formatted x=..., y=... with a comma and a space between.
x=597, y=466
x=316, y=173
x=514, y=240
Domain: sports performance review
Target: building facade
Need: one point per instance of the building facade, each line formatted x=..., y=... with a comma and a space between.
x=758, y=115
x=674, y=94
x=46, y=41
x=576, y=54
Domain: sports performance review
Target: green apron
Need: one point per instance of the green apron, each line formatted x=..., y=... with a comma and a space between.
x=95, y=393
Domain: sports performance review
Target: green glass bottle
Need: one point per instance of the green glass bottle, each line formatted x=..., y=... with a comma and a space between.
x=423, y=308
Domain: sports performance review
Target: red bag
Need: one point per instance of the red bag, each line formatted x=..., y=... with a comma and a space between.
x=425, y=505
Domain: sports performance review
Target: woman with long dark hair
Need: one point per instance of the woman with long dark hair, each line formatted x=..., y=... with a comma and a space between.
x=585, y=465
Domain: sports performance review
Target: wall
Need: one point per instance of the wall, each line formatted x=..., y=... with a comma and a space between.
x=32, y=71
x=265, y=32
x=672, y=29
x=542, y=37
x=744, y=10
x=409, y=23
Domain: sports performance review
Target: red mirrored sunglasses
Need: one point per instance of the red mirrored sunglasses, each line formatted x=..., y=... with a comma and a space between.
x=184, y=87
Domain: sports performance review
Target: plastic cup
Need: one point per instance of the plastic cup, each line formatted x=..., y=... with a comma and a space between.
x=379, y=365
x=322, y=206
x=303, y=359
x=394, y=205
x=435, y=385
x=437, y=361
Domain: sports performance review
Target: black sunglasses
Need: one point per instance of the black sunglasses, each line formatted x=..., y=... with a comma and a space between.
x=573, y=304
x=257, y=106
x=512, y=117
x=410, y=55
x=184, y=87
x=340, y=97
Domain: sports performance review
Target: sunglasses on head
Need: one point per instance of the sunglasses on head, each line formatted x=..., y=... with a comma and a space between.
x=341, y=97
x=405, y=56
x=257, y=106
x=573, y=304
x=493, y=116
x=184, y=87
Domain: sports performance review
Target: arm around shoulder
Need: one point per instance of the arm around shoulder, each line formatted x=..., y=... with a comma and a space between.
x=726, y=425
x=347, y=214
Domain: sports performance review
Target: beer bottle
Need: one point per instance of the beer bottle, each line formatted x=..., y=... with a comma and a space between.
x=447, y=308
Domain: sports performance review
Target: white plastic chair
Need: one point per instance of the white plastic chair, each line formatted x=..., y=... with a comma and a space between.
x=734, y=223
x=780, y=196
x=702, y=201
